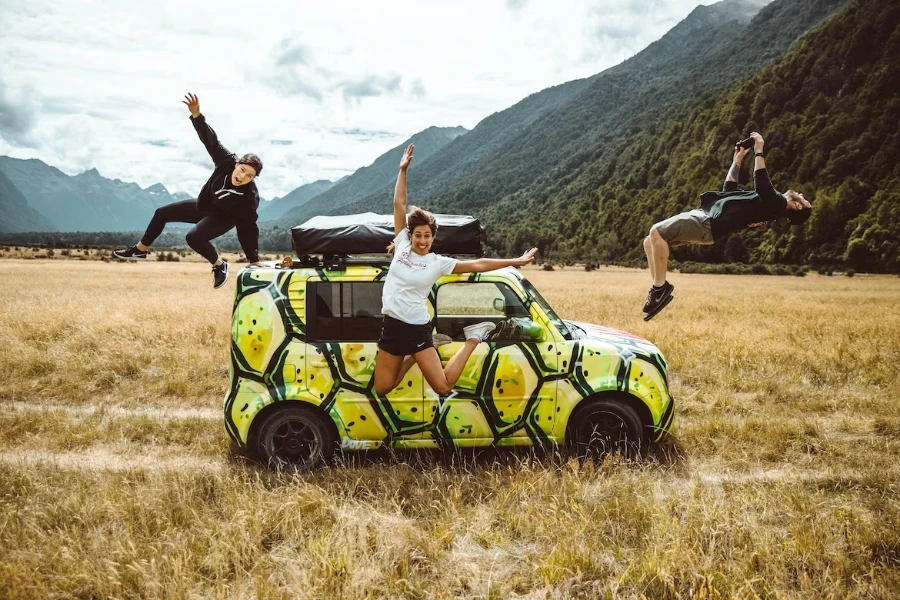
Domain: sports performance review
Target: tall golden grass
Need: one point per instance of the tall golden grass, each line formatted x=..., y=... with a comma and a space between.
x=781, y=478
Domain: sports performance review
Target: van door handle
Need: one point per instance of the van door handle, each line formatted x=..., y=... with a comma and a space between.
x=320, y=364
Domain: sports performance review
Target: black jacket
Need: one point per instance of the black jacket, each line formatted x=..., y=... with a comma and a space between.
x=242, y=201
x=733, y=209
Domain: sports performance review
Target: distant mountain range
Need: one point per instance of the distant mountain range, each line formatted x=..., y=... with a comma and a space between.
x=378, y=175
x=458, y=170
x=584, y=168
x=575, y=123
x=37, y=197
x=15, y=213
x=84, y=202
x=275, y=208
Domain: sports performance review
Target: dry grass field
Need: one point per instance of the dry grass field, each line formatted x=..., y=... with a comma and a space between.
x=781, y=478
x=105, y=254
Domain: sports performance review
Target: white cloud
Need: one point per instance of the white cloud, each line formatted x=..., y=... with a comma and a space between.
x=316, y=89
x=19, y=109
x=370, y=86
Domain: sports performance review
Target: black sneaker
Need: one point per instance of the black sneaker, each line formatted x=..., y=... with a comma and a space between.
x=130, y=254
x=220, y=274
x=658, y=297
x=659, y=308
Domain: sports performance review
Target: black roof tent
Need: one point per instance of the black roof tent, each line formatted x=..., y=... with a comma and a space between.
x=337, y=237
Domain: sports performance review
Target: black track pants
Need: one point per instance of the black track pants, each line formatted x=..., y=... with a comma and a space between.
x=209, y=226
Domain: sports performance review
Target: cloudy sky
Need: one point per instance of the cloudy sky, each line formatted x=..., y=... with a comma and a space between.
x=317, y=89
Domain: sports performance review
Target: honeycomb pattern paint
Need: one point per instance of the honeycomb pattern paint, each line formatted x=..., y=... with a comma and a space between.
x=510, y=393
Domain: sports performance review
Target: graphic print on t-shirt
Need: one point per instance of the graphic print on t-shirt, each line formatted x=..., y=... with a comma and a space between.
x=404, y=259
x=409, y=281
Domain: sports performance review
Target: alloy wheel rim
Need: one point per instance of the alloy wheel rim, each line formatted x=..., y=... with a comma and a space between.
x=294, y=442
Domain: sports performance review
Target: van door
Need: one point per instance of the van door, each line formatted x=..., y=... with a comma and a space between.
x=505, y=387
x=343, y=326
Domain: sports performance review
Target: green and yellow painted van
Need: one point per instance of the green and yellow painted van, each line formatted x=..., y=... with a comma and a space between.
x=303, y=348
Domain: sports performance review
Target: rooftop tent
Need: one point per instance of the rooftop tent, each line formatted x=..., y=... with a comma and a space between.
x=370, y=233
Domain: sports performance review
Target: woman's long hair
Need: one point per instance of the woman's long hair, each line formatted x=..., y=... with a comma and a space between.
x=414, y=218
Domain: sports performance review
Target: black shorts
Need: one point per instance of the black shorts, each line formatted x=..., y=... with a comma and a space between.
x=402, y=339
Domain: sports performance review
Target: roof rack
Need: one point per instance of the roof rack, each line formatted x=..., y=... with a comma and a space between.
x=339, y=262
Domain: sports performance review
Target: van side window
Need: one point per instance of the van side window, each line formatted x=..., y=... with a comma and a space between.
x=462, y=304
x=348, y=311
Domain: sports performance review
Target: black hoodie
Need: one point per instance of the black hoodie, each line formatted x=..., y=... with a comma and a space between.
x=220, y=195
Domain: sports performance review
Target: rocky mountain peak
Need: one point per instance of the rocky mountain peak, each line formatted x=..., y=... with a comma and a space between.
x=157, y=188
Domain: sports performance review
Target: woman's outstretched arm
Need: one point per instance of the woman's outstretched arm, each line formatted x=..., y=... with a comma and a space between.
x=489, y=264
x=400, y=191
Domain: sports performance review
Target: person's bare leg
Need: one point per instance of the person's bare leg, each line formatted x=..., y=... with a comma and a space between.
x=457, y=362
x=440, y=378
x=660, y=249
x=140, y=246
x=405, y=366
x=387, y=366
x=648, y=250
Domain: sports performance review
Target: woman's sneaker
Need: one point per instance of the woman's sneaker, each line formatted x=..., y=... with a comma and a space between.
x=220, y=274
x=130, y=254
x=479, y=331
x=440, y=339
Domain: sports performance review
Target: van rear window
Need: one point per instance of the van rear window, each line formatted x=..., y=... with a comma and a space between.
x=345, y=311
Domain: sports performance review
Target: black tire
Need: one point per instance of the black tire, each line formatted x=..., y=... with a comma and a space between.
x=605, y=426
x=295, y=439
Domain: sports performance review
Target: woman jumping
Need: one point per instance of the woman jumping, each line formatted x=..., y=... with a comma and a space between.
x=406, y=334
x=229, y=199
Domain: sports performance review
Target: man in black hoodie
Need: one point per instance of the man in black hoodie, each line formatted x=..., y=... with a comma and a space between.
x=720, y=213
x=229, y=199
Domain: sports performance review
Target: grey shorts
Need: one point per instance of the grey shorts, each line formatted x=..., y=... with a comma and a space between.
x=690, y=227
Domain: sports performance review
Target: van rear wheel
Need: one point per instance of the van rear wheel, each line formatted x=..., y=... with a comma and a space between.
x=295, y=439
x=605, y=426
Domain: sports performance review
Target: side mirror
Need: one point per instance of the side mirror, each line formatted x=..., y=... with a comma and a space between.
x=536, y=332
x=518, y=329
x=500, y=305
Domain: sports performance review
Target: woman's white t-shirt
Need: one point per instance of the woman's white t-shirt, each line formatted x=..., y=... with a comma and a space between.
x=409, y=281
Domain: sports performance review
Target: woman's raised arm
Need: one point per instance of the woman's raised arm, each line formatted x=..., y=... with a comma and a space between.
x=400, y=191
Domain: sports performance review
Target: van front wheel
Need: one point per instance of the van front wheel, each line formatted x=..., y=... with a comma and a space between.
x=605, y=426
x=295, y=439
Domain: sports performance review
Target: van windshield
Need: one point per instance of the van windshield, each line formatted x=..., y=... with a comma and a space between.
x=551, y=314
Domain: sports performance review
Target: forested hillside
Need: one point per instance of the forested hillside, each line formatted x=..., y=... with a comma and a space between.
x=829, y=112
x=584, y=186
x=711, y=48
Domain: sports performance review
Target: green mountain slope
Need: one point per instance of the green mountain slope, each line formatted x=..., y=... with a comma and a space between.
x=829, y=112
x=375, y=176
x=270, y=211
x=464, y=153
x=713, y=46
x=710, y=49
